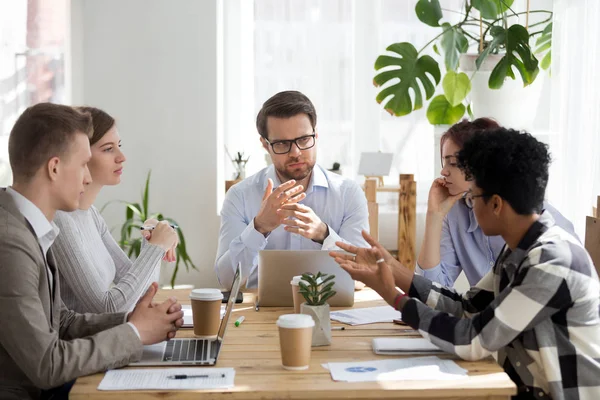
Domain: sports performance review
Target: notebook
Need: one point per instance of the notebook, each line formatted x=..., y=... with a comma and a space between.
x=399, y=346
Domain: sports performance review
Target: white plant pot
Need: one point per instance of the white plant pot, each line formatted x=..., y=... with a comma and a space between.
x=513, y=105
x=322, y=330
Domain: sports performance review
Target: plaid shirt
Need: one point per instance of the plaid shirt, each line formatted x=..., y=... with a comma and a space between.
x=539, y=307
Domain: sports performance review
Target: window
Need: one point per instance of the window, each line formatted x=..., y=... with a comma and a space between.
x=326, y=49
x=32, y=62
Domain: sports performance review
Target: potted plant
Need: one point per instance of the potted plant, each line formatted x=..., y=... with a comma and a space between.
x=135, y=215
x=316, y=293
x=503, y=46
x=239, y=163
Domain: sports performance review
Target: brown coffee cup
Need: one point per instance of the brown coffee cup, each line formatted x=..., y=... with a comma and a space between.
x=206, y=310
x=295, y=339
x=298, y=298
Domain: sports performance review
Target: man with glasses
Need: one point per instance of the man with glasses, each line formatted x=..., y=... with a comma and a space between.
x=537, y=307
x=293, y=204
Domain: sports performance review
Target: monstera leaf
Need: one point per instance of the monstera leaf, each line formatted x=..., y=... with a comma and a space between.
x=544, y=44
x=429, y=12
x=454, y=42
x=456, y=87
x=441, y=112
x=490, y=9
x=518, y=55
x=409, y=69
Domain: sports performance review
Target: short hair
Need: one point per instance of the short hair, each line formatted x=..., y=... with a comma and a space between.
x=512, y=164
x=101, y=121
x=41, y=132
x=285, y=105
x=464, y=130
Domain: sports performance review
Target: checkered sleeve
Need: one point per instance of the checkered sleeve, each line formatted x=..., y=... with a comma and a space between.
x=538, y=291
x=444, y=299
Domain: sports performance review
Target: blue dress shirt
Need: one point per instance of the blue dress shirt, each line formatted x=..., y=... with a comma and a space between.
x=464, y=247
x=339, y=202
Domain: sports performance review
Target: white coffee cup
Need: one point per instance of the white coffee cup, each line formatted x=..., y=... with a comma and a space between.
x=206, y=310
x=295, y=340
x=298, y=298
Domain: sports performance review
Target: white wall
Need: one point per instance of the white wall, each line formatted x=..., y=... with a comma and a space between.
x=154, y=65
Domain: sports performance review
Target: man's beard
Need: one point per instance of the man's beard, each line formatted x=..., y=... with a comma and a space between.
x=297, y=175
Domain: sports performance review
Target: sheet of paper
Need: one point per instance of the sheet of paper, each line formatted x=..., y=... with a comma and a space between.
x=188, y=317
x=404, y=369
x=155, y=379
x=361, y=316
x=395, y=345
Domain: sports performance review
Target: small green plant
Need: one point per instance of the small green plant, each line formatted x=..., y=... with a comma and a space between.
x=135, y=215
x=319, y=288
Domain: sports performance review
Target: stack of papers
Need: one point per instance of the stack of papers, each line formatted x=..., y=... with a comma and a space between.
x=188, y=316
x=371, y=315
x=395, y=346
x=405, y=369
x=157, y=379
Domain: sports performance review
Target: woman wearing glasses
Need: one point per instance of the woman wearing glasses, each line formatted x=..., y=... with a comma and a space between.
x=453, y=241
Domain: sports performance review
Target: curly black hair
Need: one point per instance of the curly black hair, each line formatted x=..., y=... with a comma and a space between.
x=512, y=164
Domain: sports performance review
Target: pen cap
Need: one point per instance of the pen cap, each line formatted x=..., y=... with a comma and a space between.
x=295, y=321
x=206, y=294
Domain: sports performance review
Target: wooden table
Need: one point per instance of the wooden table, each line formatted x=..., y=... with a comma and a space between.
x=253, y=350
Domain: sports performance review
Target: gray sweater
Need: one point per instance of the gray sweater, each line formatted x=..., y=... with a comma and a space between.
x=96, y=275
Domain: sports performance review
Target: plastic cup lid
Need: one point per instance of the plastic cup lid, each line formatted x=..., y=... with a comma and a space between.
x=206, y=294
x=295, y=321
x=297, y=279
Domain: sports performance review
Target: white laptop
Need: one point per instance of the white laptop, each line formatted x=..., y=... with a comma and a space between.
x=192, y=351
x=276, y=268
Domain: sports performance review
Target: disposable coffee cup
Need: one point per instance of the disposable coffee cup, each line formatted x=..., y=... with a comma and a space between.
x=206, y=309
x=298, y=298
x=295, y=340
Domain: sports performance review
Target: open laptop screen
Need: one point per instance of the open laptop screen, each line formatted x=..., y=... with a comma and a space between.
x=235, y=288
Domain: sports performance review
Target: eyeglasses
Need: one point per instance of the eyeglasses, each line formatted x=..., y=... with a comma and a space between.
x=285, y=146
x=469, y=196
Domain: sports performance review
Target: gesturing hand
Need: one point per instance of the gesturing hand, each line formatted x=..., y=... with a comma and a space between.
x=302, y=220
x=368, y=266
x=267, y=218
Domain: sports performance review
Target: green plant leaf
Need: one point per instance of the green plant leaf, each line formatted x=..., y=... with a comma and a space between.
x=436, y=50
x=126, y=232
x=327, y=297
x=327, y=288
x=456, y=87
x=470, y=111
x=429, y=12
x=498, y=39
x=410, y=69
x=135, y=210
x=519, y=55
x=546, y=61
x=145, y=197
x=490, y=9
x=454, y=43
x=544, y=45
x=441, y=112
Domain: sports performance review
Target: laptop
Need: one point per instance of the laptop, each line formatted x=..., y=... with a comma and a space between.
x=192, y=351
x=276, y=268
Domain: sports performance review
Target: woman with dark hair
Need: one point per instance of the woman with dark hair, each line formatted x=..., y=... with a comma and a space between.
x=453, y=241
x=96, y=275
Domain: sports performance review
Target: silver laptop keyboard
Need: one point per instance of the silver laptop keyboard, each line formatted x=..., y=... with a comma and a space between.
x=188, y=350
